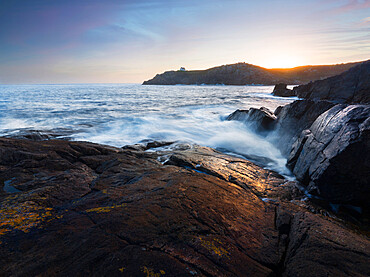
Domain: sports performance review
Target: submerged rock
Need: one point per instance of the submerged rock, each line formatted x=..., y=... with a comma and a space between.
x=88, y=209
x=283, y=91
x=333, y=156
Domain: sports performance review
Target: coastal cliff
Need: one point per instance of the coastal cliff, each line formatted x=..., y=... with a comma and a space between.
x=247, y=74
x=352, y=86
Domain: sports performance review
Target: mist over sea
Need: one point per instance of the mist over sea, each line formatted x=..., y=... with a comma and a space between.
x=121, y=114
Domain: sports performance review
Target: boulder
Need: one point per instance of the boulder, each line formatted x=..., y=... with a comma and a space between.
x=352, y=86
x=293, y=118
x=283, y=91
x=332, y=157
x=261, y=119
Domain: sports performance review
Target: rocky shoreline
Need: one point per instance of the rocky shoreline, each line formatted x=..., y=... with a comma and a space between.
x=87, y=209
x=325, y=137
x=71, y=208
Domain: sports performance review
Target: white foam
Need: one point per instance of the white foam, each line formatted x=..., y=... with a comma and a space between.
x=126, y=114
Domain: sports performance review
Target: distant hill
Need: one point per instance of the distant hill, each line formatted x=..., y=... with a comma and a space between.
x=247, y=74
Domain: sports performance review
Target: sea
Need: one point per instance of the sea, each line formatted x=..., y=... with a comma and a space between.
x=123, y=114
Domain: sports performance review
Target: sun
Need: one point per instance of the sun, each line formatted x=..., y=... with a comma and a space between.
x=284, y=62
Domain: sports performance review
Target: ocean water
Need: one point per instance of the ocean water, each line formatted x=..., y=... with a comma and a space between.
x=121, y=114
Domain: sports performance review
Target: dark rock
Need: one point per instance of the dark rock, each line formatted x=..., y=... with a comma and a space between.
x=31, y=135
x=239, y=115
x=278, y=110
x=106, y=211
x=148, y=144
x=352, y=86
x=132, y=215
x=333, y=156
x=306, y=250
x=283, y=91
x=293, y=118
x=296, y=150
x=260, y=119
x=39, y=135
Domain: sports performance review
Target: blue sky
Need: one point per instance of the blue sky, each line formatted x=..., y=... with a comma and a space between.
x=91, y=41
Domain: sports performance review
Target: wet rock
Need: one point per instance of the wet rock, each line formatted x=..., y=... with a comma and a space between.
x=99, y=210
x=261, y=119
x=293, y=118
x=240, y=115
x=317, y=244
x=31, y=135
x=278, y=110
x=283, y=91
x=39, y=135
x=148, y=144
x=352, y=86
x=235, y=170
x=332, y=157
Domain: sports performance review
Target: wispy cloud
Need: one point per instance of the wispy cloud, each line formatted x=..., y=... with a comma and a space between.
x=364, y=22
x=350, y=5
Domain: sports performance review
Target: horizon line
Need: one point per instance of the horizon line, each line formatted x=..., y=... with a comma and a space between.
x=106, y=83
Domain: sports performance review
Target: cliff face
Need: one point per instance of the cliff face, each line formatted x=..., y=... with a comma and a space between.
x=352, y=86
x=246, y=74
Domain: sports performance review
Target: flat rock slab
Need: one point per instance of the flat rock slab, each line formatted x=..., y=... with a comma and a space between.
x=87, y=209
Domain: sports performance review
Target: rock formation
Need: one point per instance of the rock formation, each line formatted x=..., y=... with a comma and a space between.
x=352, y=86
x=293, y=118
x=332, y=157
x=283, y=91
x=259, y=119
x=88, y=209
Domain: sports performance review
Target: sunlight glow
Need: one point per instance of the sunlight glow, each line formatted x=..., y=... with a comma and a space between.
x=284, y=62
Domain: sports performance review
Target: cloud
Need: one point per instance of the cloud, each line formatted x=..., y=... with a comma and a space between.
x=351, y=5
x=364, y=22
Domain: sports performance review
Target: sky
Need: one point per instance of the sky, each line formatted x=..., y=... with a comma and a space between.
x=129, y=41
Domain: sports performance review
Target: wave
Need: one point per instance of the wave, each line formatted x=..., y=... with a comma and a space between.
x=121, y=114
